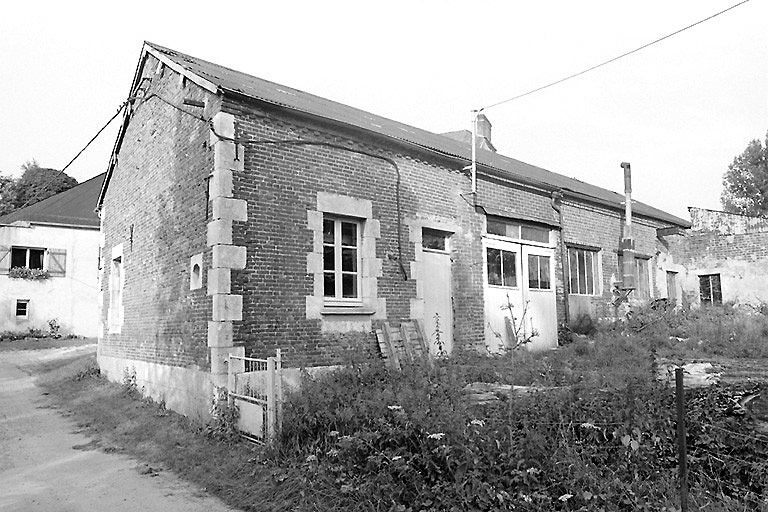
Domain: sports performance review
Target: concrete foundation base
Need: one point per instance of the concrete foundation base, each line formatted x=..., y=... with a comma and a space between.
x=184, y=390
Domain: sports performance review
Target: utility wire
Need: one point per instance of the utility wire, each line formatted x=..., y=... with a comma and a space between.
x=614, y=59
x=41, y=188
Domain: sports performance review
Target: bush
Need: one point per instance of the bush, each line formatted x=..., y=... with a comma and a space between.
x=728, y=330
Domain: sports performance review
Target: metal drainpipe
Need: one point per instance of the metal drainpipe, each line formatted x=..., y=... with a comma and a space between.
x=475, y=114
x=627, y=245
x=557, y=205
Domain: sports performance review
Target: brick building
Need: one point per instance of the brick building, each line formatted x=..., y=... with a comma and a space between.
x=240, y=216
x=722, y=258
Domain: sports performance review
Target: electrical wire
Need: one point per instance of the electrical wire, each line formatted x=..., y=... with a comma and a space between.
x=34, y=198
x=614, y=59
x=299, y=142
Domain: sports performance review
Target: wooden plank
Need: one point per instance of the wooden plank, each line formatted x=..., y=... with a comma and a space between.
x=392, y=350
x=407, y=342
x=423, y=340
x=383, y=347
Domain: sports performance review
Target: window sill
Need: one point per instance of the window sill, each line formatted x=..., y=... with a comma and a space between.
x=346, y=310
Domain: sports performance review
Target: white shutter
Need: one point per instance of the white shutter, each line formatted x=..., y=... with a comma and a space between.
x=57, y=262
x=5, y=259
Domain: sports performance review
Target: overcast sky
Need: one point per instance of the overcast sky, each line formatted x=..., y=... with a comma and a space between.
x=679, y=111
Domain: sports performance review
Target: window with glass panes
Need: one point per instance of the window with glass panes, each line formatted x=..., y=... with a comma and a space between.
x=583, y=274
x=502, y=267
x=24, y=257
x=538, y=272
x=341, y=259
x=709, y=289
x=517, y=230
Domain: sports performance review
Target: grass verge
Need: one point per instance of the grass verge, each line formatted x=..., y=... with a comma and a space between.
x=119, y=420
x=7, y=345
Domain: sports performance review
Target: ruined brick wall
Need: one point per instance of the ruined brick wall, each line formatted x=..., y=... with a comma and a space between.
x=726, y=223
x=155, y=206
x=733, y=246
x=282, y=182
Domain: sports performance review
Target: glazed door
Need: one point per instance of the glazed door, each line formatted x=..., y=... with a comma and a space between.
x=539, y=313
x=503, y=294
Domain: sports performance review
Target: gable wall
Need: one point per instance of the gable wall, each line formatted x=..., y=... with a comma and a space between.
x=155, y=206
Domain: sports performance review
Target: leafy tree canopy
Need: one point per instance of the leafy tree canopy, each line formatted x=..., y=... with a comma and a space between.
x=745, y=183
x=35, y=184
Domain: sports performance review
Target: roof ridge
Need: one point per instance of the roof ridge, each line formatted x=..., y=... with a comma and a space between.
x=232, y=81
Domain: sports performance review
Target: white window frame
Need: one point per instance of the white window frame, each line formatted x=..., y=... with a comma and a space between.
x=27, y=251
x=116, y=288
x=597, y=288
x=338, y=299
x=16, y=309
x=518, y=239
x=518, y=271
x=446, y=236
x=539, y=266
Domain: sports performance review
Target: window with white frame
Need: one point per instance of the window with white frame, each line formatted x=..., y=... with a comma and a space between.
x=517, y=230
x=341, y=260
x=502, y=267
x=539, y=272
x=116, y=280
x=434, y=239
x=22, y=308
x=27, y=257
x=583, y=271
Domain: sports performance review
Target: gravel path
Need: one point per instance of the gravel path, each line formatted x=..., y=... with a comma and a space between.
x=46, y=465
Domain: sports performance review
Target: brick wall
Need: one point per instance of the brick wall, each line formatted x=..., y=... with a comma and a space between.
x=599, y=227
x=281, y=184
x=741, y=260
x=155, y=206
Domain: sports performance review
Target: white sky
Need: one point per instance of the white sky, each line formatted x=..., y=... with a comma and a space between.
x=679, y=111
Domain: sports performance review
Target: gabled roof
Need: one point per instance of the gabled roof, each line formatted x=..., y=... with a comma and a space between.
x=73, y=207
x=224, y=80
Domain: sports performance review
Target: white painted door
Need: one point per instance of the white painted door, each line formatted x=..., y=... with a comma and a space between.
x=438, y=307
x=539, y=296
x=503, y=294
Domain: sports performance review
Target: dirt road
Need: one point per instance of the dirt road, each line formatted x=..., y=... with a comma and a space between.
x=45, y=465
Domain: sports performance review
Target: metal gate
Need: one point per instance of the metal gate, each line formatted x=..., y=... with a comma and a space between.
x=256, y=387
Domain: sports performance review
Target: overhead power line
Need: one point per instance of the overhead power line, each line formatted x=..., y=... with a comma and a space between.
x=41, y=188
x=614, y=59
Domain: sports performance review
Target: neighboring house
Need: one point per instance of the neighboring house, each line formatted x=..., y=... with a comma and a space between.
x=49, y=256
x=722, y=258
x=240, y=216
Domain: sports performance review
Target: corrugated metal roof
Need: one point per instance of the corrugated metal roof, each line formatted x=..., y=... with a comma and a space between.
x=72, y=207
x=229, y=80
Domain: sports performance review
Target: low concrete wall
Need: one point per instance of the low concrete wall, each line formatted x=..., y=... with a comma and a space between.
x=184, y=390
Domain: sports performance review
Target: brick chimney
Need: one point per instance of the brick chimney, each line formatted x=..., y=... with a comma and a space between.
x=484, y=133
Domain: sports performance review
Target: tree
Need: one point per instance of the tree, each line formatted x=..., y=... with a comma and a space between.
x=6, y=193
x=35, y=184
x=745, y=183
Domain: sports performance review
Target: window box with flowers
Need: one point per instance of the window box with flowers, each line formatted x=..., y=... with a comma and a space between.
x=28, y=273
